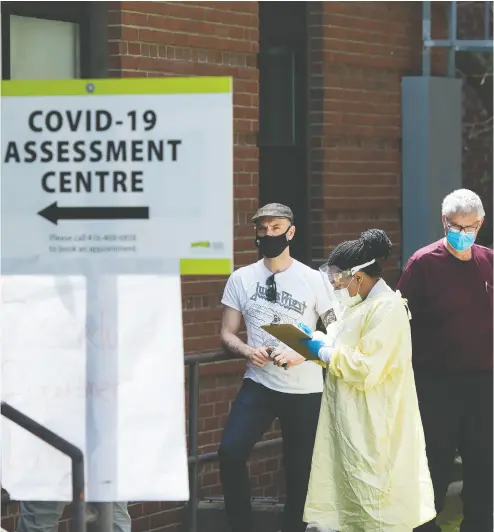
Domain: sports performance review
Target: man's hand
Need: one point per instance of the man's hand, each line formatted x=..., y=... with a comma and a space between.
x=284, y=355
x=259, y=357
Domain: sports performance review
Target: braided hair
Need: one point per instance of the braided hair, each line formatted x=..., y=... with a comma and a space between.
x=372, y=244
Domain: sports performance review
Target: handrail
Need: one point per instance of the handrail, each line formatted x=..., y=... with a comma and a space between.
x=205, y=458
x=208, y=357
x=65, y=447
x=193, y=361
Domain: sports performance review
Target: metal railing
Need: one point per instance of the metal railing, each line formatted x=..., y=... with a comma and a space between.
x=452, y=43
x=195, y=459
x=65, y=447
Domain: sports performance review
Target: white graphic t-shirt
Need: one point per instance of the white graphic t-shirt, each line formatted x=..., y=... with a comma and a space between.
x=301, y=296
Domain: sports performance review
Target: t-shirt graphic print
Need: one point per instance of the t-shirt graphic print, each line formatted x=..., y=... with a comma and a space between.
x=300, y=296
x=260, y=311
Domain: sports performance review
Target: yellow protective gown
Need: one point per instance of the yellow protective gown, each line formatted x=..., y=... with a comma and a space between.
x=369, y=467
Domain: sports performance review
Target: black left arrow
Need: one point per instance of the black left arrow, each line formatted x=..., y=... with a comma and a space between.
x=53, y=213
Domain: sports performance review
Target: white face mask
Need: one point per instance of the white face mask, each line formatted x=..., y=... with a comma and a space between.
x=344, y=297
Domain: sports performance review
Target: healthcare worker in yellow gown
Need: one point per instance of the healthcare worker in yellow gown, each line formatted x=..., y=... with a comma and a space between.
x=369, y=467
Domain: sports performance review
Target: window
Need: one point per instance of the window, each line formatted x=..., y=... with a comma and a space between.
x=43, y=49
x=54, y=40
x=277, y=99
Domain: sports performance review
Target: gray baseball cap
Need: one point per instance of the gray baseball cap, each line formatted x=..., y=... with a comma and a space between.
x=274, y=210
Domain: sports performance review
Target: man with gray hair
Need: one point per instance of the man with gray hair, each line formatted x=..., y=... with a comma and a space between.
x=448, y=285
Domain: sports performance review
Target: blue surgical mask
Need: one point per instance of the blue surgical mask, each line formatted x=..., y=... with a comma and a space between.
x=460, y=241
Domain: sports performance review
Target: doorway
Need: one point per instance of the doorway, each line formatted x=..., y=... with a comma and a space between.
x=283, y=109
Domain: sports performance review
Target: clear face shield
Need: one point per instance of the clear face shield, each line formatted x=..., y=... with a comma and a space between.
x=336, y=279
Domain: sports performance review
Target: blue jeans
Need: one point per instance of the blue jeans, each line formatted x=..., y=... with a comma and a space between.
x=253, y=410
x=43, y=516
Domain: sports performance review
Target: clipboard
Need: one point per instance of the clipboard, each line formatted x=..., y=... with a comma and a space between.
x=291, y=335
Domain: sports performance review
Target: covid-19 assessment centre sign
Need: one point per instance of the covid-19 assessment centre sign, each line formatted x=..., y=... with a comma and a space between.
x=118, y=169
x=111, y=190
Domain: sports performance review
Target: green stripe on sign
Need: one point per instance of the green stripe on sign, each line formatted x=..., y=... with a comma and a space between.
x=111, y=87
x=206, y=266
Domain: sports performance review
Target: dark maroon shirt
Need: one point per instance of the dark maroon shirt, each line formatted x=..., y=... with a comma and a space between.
x=451, y=305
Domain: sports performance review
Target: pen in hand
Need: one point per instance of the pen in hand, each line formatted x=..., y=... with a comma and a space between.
x=269, y=351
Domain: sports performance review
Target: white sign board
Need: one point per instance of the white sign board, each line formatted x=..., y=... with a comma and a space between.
x=116, y=170
x=111, y=190
x=124, y=407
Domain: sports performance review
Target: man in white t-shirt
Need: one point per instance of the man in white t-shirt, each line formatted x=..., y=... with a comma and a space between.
x=276, y=289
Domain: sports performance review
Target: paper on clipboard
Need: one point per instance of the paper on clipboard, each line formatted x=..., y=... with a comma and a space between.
x=291, y=335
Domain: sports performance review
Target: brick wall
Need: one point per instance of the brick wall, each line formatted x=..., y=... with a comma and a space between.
x=204, y=38
x=359, y=53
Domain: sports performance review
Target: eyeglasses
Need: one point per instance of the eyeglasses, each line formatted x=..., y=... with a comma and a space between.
x=271, y=289
x=458, y=228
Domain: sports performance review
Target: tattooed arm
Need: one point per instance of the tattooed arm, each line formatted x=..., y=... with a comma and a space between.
x=230, y=326
x=328, y=318
x=325, y=321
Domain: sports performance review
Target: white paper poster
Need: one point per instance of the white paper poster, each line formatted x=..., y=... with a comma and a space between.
x=43, y=372
x=129, y=421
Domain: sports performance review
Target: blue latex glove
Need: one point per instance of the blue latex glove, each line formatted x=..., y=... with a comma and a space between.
x=307, y=330
x=313, y=345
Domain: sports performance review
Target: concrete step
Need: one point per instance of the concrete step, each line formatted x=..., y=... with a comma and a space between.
x=266, y=515
x=267, y=512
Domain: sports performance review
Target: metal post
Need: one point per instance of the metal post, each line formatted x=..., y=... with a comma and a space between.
x=462, y=45
x=101, y=373
x=426, y=36
x=78, y=502
x=452, y=38
x=95, y=35
x=65, y=447
x=487, y=20
x=104, y=516
x=193, y=445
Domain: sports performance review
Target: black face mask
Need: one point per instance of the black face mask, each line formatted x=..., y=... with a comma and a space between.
x=272, y=246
